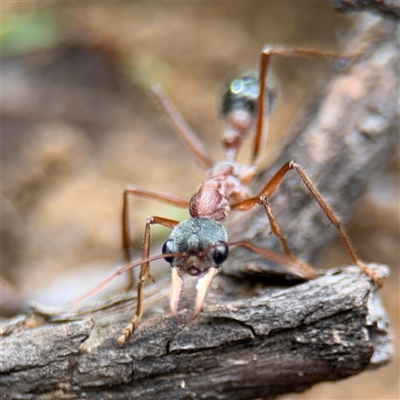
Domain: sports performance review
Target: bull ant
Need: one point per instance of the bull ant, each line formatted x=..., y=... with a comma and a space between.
x=199, y=246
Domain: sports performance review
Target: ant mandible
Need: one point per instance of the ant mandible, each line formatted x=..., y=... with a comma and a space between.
x=199, y=245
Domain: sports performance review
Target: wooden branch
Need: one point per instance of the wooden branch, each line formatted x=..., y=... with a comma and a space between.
x=246, y=344
x=252, y=339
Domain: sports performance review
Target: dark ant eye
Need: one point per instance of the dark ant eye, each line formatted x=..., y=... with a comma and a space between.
x=168, y=248
x=221, y=253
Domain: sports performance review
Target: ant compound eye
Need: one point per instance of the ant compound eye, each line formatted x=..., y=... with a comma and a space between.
x=221, y=253
x=168, y=248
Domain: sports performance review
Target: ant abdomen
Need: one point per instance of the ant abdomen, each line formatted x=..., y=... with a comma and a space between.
x=239, y=109
x=242, y=95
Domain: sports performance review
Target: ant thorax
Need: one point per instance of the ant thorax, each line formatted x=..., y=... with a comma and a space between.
x=224, y=185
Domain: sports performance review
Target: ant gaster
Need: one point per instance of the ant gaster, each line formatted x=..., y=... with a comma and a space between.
x=199, y=246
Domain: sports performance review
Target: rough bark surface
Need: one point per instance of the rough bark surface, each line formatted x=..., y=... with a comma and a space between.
x=252, y=340
x=251, y=343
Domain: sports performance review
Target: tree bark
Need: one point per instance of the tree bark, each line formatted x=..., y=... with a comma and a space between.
x=251, y=343
x=253, y=339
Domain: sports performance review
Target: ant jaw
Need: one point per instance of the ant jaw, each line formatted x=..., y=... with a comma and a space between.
x=177, y=284
x=202, y=286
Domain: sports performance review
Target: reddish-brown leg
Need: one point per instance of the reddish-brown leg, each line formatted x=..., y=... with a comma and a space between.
x=175, y=200
x=276, y=230
x=183, y=130
x=292, y=264
x=268, y=51
x=272, y=186
x=144, y=274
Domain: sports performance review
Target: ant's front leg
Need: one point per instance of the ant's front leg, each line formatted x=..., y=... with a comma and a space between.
x=144, y=274
x=178, y=201
x=270, y=188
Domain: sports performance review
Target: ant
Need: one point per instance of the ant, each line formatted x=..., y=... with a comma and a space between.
x=199, y=245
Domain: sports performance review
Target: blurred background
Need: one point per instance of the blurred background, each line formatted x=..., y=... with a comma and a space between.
x=78, y=125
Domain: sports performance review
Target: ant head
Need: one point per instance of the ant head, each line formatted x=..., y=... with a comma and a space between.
x=201, y=241
x=196, y=263
x=200, y=244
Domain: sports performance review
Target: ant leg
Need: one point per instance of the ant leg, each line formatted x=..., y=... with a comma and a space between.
x=272, y=186
x=182, y=129
x=266, y=192
x=262, y=102
x=276, y=230
x=375, y=278
x=292, y=264
x=261, y=131
x=175, y=200
x=144, y=274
